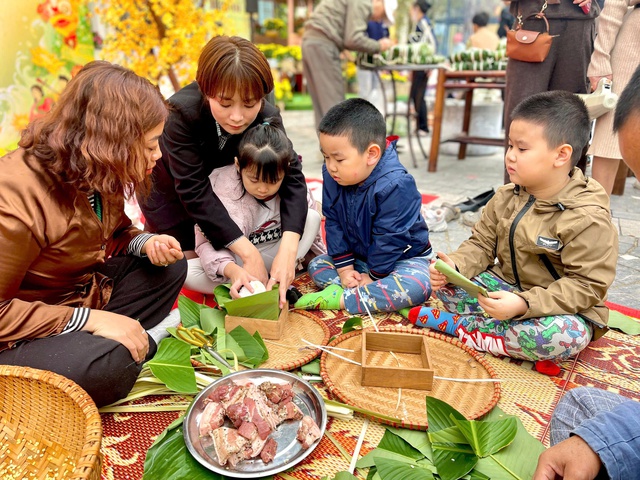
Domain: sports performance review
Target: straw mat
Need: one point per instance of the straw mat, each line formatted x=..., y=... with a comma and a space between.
x=611, y=363
x=451, y=359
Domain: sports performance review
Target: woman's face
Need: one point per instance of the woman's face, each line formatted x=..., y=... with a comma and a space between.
x=234, y=114
x=152, y=146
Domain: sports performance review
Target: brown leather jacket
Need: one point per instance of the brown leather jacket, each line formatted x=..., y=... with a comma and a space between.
x=51, y=242
x=573, y=231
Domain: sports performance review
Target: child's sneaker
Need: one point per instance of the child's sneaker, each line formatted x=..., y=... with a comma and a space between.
x=435, y=219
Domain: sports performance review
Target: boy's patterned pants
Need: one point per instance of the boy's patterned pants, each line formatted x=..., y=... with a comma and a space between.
x=406, y=286
x=539, y=338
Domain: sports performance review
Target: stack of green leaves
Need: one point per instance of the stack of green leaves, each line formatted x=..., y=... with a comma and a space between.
x=265, y=305
x=498, y=446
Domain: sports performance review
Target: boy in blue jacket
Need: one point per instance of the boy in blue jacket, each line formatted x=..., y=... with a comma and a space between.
x=378, y=242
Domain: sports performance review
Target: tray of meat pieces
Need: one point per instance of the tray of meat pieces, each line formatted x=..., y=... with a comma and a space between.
x=254, y=423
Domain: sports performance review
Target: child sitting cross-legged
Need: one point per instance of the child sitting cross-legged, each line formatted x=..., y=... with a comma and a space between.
x=544, y=247
x=377, y=241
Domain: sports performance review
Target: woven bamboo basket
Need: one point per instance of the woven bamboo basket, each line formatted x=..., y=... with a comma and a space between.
x=49, y=427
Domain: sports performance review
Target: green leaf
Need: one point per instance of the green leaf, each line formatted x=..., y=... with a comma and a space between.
x=453, y=461
x=258, y=338
x=211, y=318
x=487, y=438
x=518, y=460
x=373, y=474
x=352, y=323
x=222, y=295
x=251, y=351
x=172, y=366
x=418, y=440
x=189, y=312
x=389, y=469
x=447, y=435
x=212, y=361
x=341, y=476
x=264, y=305
x=391, y=446
x=623, y=322
x=312, y=368
x=440, y=414
x=168, y=457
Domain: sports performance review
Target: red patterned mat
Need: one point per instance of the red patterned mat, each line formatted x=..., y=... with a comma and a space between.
x=611, y=363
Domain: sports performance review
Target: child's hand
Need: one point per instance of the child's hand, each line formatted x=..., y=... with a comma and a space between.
x=503, y=305
x=439, y=280
x=350, y=278
x=365, y=279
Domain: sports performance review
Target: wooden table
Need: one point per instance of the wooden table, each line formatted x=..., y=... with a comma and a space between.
x=467, y=81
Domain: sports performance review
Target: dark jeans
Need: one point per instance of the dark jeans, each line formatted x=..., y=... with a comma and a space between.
x=418, y=89
x=104, y=367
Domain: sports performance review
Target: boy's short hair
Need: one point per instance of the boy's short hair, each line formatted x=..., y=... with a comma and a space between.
x=563, y=116
x=480, y=19
x=628, y=103
x=359, y=121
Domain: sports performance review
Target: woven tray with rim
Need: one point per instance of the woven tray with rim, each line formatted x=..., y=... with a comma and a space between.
x=289, y=352
x=451, y=359
x=49, y=427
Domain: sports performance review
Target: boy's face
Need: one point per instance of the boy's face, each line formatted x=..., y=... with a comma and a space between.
x=529, y=160
x=344, y=163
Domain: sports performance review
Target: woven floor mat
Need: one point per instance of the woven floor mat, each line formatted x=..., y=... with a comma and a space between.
x=611, y=363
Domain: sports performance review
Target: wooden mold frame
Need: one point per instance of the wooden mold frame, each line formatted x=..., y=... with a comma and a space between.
x=396, y=377
x=269, y=329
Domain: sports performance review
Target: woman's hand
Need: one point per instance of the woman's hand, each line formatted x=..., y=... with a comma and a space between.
x=251, y=259
x=439, y=280
x=503, y=305
x=238, y=278
x=593, y=81
x=162, y=250
x=283, y=268
x=122, y=329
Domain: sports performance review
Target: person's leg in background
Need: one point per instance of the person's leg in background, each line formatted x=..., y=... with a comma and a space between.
x=417, y=92
x=578, y=405
x=323, y=72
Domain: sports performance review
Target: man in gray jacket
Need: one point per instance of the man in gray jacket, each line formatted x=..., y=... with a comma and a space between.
x=334, y=26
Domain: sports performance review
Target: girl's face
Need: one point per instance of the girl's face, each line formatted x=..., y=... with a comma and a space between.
x=258, y=188
x=152, y=146
x=416, y=13
x=234, y=114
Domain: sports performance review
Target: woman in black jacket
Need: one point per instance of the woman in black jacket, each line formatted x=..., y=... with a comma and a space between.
x=204, y=128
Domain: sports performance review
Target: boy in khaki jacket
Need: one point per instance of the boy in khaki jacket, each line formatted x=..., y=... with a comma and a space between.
x=545, y=247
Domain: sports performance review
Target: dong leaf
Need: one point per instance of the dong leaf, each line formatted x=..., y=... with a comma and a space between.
x=624, y=323
x=390, y=469
x=265, y=305
x=487, y=438
x=312, y=368
x=189, y=312
x=341, y=476
x=440, y=414
x=453, y=460
x=391, y=446
x=447, y=435
x=168, y=457
x=212, y=318
x=250, y=352
x=172, y=366
x=222, y=295
x=352, y=323
x=418, y=440
x=518, y=460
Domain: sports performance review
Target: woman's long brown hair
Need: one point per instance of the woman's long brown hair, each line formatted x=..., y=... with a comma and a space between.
x=93, y=138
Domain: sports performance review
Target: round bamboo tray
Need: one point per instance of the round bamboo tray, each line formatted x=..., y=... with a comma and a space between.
x=289, y=351
x=407, y=407
x=49, y=427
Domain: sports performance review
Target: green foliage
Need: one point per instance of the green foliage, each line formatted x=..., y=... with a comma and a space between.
x=624, y=323
x=351, y=324
x=172, y=365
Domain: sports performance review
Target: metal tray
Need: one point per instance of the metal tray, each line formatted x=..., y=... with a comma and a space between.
x=289, y=452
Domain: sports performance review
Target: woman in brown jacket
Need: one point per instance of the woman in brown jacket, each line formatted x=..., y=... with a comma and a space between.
x=80, y=285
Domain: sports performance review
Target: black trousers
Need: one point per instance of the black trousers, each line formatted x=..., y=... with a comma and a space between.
x=565, y=68
x=418, y=89
x=104, y=367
